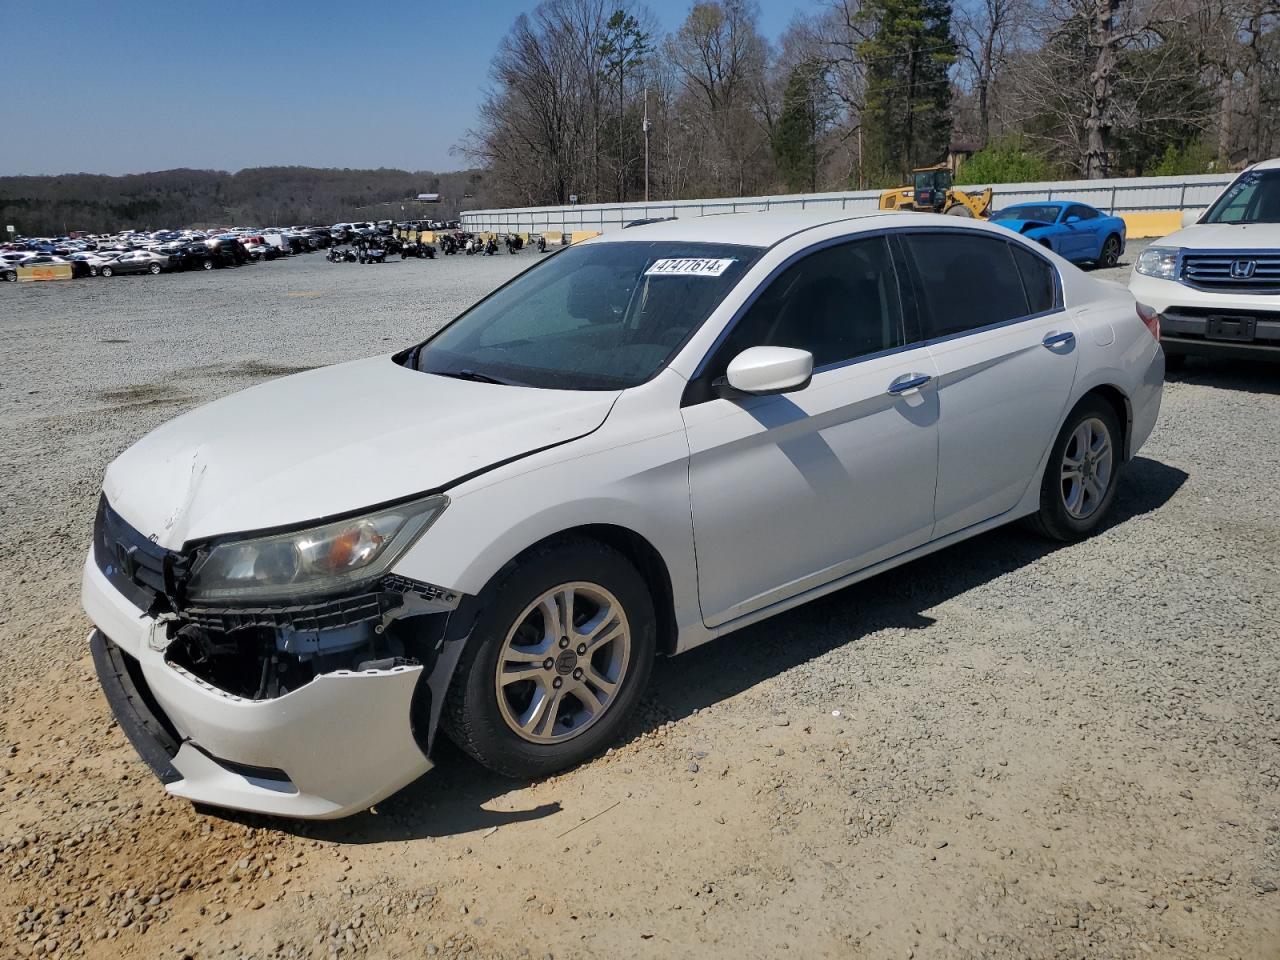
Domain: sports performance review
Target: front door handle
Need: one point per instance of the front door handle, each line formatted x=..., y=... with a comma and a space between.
x=909, y=381
x=1058, y=339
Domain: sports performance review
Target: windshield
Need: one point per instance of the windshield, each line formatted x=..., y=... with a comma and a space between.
x=1253, y=198
x=602, y=316
x=1045, y=212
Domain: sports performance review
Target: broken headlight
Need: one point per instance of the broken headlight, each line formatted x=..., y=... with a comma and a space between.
x=325, y=559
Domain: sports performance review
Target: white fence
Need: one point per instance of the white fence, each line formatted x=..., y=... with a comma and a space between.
x=1134, y=194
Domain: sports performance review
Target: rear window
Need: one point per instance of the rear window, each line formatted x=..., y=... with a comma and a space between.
x=967, y=281
x=1038, y=280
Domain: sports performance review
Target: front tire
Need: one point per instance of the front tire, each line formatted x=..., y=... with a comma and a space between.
x=154, y=269
x=1079, y=483
x=557, y=660
x=108, y=272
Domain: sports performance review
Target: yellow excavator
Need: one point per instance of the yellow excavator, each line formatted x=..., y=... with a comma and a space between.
x=932, y=192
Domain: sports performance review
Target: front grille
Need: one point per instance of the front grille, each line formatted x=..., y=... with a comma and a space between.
x=1245, y=271
x=134, y=565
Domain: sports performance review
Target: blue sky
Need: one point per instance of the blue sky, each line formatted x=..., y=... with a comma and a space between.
x=138, y=85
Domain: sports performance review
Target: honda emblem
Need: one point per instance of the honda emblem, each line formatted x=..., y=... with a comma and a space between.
x=1243, y=269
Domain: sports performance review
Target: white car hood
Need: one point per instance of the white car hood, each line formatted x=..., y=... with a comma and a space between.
x=1225, y=236
x=331, y=441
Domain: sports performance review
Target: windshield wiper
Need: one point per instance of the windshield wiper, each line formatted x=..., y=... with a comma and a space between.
x=475, y=377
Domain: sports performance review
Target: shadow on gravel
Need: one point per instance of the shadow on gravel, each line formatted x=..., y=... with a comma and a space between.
x=445, y=802
x=726, y=667
x=450, y=799
x=1246, y=376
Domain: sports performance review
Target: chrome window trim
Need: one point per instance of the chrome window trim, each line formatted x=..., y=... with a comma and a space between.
x=1059, y=304
x=887, y=232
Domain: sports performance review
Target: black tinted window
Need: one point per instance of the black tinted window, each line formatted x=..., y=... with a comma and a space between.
x=967, y=281
x=839, y=303
x=1037, y=280
x=1084, y=213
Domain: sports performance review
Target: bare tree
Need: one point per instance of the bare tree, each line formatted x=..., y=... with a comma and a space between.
x=718, y=54
x=988, y=33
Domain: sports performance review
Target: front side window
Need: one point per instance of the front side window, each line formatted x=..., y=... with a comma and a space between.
x=839, y=303
x=1253, y=198
x=967, y=281
x=603, y=316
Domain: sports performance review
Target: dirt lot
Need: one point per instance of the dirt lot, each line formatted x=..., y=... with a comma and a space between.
x=1005, y=750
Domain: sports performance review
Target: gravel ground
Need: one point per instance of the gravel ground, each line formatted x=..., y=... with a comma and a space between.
x=1005, y=750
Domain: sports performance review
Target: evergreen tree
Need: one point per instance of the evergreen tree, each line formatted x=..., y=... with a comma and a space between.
x=622, y=51
x=795, y=146
x=906, y=119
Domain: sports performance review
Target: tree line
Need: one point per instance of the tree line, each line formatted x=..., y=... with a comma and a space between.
x=857, y=93
x=259, y=196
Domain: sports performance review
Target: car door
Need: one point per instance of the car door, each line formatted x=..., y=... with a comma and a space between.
x=1005, y=352
x=789, y=492
x=1080, y=233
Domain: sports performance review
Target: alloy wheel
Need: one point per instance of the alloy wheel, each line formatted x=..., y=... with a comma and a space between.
x=563, y=662
x=1110, y=252
x=1086, y=468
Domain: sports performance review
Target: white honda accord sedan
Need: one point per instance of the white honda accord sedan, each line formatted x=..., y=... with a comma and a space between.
x=643, y=442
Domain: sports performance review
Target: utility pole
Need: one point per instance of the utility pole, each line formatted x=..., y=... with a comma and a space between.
x=644, y=125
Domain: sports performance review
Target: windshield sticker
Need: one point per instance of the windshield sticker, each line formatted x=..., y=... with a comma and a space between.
x=688, y=267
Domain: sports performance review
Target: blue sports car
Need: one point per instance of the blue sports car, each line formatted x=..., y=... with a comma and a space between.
x=1073, y=230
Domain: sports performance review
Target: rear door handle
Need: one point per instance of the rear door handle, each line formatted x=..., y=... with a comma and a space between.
x=909, y=381
x=1058, y=339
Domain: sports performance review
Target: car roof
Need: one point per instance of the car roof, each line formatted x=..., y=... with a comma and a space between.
x=1272, y=164
x=767, y=229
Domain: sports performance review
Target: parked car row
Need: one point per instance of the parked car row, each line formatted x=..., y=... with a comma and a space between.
x=160, y=251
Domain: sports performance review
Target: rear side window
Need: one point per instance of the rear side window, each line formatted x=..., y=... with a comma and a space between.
x=1037, y=279
x=967, y=281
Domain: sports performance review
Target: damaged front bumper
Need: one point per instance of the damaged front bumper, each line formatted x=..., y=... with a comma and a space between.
x=323, y=747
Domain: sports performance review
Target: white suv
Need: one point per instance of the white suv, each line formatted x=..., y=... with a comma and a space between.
x=1215, y=284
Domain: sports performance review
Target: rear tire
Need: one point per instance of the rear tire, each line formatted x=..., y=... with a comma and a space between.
x=154, y=269
x=499, y=721
x=206, y=264
x=1080, y=478
x=1110, y=255
x=108, y=272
